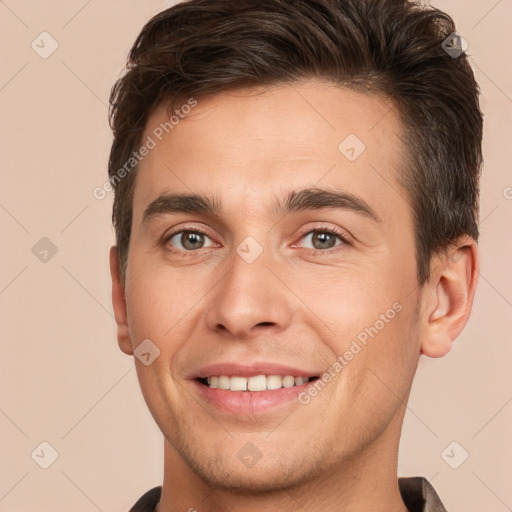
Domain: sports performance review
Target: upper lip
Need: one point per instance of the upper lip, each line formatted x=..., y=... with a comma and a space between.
x=250, y=370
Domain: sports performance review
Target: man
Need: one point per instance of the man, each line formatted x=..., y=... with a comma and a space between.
x=296, y=198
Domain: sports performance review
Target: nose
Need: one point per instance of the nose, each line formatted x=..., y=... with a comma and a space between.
x=249, y=300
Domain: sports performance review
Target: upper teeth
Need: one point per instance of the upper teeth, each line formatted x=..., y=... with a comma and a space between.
x=256, y=383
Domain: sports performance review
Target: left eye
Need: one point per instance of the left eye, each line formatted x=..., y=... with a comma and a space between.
x=323, y=239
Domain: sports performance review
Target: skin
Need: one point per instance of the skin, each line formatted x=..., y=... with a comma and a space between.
x=290, y=306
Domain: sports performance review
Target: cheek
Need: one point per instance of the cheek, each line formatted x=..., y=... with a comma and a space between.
x=387, y=352
x=369, y=320
x=351, y=303
x=157, y=310
x=162, y=305
x=377, y=373
x=160, y=300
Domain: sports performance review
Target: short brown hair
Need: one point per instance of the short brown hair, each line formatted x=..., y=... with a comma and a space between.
x=391, y=47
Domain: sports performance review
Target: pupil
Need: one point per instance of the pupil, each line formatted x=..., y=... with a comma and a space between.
x=326, y=240
x=191, y=240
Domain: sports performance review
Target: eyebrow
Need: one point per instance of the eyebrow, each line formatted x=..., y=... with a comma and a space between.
x=297, y=200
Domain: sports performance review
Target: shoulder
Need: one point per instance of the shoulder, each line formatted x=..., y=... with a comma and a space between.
x=419, y=495
x=148, y=501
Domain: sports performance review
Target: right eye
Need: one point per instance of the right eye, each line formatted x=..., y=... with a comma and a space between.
x=187, y=240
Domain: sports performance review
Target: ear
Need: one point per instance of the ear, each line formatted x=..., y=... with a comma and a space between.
x=448, y=296
x=119, y=304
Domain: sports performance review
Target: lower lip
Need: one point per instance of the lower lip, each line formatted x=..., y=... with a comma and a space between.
x=248, y=402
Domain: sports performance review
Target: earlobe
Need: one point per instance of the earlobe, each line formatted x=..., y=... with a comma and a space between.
x=449, y=297
x=119, y=304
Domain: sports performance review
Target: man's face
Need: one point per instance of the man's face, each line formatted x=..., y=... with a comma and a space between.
x=262, y=290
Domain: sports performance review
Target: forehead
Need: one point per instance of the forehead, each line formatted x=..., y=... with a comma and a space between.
x=255, y=145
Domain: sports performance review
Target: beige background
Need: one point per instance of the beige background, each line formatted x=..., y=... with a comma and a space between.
x=63, y=378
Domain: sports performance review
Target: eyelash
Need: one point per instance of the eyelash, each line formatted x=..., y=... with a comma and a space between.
x=321, y=229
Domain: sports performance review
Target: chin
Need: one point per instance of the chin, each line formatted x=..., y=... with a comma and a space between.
x=264, y=477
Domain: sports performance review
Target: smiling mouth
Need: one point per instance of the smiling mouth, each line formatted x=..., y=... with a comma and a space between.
x=254, y=383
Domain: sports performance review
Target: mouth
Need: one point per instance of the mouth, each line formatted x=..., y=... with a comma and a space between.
x=250, y=388
x=255, y=383
x=247, y=396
